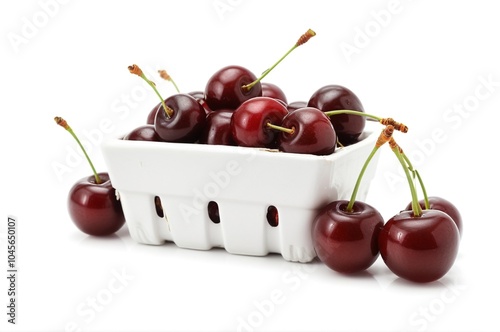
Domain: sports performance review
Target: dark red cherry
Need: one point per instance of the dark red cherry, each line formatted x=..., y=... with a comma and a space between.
x=152, y=114
x=225, y=88
x=186, y=121
x=143, y=133
x=420, y=249
x=273, y=91
x=217, y=130
x=312, y=132
x=296, y=105
x=345, y=241
x=93, y=206
x=249, y=122
x=336, y=97
x=441, y=204
x=200, y=97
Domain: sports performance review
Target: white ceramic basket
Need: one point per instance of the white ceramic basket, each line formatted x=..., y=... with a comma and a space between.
x=244, y=182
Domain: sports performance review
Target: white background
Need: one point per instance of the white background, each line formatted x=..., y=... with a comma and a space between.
x=420, y=64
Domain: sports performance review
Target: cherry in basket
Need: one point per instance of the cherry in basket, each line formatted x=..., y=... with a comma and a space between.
x=232, y=85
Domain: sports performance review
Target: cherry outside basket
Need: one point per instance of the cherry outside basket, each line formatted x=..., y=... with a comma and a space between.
x=243, y=183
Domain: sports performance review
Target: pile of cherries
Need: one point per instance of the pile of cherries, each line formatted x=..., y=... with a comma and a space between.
x=225, y=114
x=236, y=108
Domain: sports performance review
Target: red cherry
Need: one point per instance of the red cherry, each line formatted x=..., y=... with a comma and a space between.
x=273, y=91
x=143, y=133
x=92, y=203
x=186, y=121
x=93, y=207
x=312, y=132
x=296, y=105
x=347, y=242
x=152, y=115
x=225, y=88
x=441, y=204
x=200, y=97
x=420, y=249
x=230, y=86
x=249, y=121
x=217, y=130
x=335, y=97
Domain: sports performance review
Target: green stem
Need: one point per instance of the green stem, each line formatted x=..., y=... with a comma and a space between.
x=280, y=128
x=168, y=110
x=175, y=86
x=335, y=112
x=249, y=86
x=426, y=198
x=97, y=178
x=358, y=181
x=417, y=211
x=302, y=40
x=415, y=173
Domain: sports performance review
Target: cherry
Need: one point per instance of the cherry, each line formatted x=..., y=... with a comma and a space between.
x=310, y=132
x=418, y=245
x=93, y=206
x=230, y=86
x=273, y=91
x=441, y=204
x=296, y=105
x=337, y=97
x=345, y=233
x=182, y=121
x=92, y=203
x=143, y=133
x=249, y=124
x=224, y=88
x=217, y=128
x=152, y=115
x=419, y=248
x=347, y=241
x=200, y=97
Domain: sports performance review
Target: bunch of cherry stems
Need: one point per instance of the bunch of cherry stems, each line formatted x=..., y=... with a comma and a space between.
x=384, y=137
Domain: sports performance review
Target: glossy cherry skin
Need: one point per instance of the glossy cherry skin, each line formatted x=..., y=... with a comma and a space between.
x=217, y=129
x=94, y=208
x=249, y=122
x=186, y=123
x=336, y=97
x=200, y=97
x=273, y=91
x=347, y=242
x=313, y=132
x=296, y=105
x=441, y=204
x=224, y=88
x=152, y=114
x=143, y=133
x=420, y=249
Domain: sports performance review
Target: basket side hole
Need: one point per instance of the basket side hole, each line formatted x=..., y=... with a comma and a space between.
x=272, y=216
x=159, y=207
x=213, y=212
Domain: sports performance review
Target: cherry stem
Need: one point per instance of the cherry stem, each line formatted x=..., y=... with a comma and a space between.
x=385, y=121
x=417, y=174
x=280, y=128
x=417, y=211
x=163, y=74
x=60, y=121
x=134, y=69
x=384, y=137
x=302, y=40
x=336, y=112
x=358, y=181
x=413, y=171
